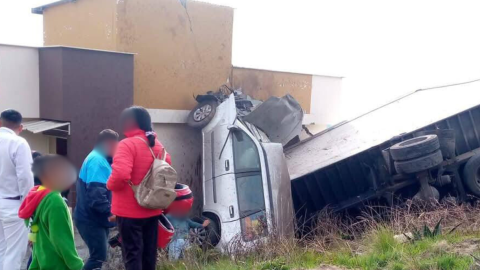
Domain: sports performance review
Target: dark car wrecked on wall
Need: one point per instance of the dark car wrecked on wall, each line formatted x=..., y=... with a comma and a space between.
x=425, y=145
x=246, y=185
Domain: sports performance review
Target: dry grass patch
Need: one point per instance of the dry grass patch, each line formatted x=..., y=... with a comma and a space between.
x=364, y=241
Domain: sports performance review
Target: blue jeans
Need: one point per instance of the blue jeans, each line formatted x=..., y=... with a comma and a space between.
x=96, y=238
x=176, y=248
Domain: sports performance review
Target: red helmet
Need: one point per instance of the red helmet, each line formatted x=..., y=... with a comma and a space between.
x=184, y=201
x=165, y=231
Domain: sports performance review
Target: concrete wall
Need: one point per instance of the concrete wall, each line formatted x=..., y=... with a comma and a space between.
x=180, y=51
x=326, y=101
x=19, y=80
x=319, y=96
x=88, y=88
x=262, y=84
x=185, y=146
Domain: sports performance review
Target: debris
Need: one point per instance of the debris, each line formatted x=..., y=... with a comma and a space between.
x=403, y=238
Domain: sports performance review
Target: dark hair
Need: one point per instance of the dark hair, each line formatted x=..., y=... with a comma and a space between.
x=107, y=135
x=11, y=118
x=143, y=120
x=36, y=154
x=36, y=180
x=41, y=163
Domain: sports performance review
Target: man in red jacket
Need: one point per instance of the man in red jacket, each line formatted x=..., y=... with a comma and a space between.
x=138, y=226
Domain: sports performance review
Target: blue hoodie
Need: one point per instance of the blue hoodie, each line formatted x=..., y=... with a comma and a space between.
x=93, y=197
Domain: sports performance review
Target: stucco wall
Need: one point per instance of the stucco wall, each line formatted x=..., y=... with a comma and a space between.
x=19, y=80
x=84, y=23
x=180, y=52
x=262, y=84
x=185, y=146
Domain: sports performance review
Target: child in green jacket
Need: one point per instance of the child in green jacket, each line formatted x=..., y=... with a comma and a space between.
x=47, y=214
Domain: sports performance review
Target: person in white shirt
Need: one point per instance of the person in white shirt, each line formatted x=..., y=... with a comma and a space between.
x=16, y=180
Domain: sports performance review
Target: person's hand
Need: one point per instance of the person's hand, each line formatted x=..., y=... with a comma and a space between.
x=112, y=218
x=206, y=223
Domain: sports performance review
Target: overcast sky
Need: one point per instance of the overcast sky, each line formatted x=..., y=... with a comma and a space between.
x=383, y=49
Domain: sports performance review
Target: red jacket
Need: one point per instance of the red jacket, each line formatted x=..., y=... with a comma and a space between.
x=132, y=161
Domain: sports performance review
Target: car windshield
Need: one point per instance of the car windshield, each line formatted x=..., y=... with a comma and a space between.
x=251, y=200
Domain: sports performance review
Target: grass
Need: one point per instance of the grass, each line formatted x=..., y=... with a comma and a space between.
x=384, y=252
x=366, y=241
x=381, y=251
x=301, y=260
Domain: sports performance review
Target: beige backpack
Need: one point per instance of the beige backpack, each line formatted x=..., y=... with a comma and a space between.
x=157, y=189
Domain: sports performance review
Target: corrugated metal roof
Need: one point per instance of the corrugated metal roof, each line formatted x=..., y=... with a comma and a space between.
x=38, y=126
x=404, y=115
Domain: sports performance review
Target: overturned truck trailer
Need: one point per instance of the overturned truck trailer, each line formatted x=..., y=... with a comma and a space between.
x=352, y=163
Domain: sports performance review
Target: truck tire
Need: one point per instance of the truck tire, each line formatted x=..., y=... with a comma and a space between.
x=471, y=175
x=414, y=148
x=419, y=164
x=202, y=114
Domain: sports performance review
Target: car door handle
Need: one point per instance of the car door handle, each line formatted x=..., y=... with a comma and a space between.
x=232, y=211
x=227, y=165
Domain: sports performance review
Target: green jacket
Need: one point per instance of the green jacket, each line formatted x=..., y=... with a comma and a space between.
x=54, y=246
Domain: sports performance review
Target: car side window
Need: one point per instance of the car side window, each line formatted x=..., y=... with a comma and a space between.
x=250, y=190
x=245, y=153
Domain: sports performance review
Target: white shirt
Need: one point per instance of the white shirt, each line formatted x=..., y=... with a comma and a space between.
x=16, y=178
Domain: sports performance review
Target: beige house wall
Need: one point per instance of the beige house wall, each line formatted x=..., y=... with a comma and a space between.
x=179, y=52
x=83, y=23
x=262, y=84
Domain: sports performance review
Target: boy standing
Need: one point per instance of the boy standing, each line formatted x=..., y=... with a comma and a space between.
x=45, y=211
x=94, y=200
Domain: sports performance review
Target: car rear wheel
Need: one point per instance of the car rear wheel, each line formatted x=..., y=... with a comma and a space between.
x=202, y=114
x=209, y=236
x=471, y=175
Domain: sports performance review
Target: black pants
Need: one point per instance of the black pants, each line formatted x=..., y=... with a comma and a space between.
x=139, y=242
x=96, y=238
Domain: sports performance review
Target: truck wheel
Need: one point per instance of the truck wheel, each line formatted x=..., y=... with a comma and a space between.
x=414, y=148
x=419, y=164
x=202, y=114
x=471, y=175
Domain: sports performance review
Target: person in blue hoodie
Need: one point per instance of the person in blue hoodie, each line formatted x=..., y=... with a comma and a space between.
x=92, y=212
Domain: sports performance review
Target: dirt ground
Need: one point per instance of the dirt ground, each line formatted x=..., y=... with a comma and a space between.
x=114, y=255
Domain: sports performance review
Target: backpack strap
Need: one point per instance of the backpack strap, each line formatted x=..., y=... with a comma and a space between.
x=164, y=155
x=151, y=151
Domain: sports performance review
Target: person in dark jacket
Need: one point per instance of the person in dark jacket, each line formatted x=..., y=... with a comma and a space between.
x=92, y=212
